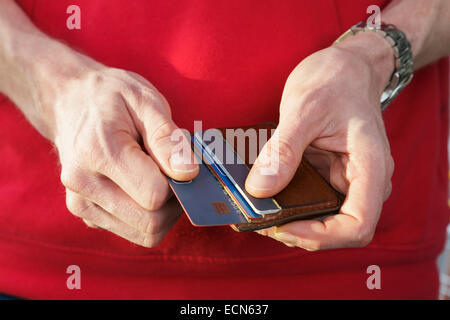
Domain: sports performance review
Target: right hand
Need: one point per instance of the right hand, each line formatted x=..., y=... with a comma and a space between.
x=112, y=129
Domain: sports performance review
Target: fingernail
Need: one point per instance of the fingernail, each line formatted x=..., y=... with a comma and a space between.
x=181, y=164
x=259, y=180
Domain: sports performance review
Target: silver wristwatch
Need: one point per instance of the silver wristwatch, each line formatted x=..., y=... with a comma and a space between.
x=404, y=66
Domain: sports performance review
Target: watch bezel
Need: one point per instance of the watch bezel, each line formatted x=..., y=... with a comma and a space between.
x=403, y=65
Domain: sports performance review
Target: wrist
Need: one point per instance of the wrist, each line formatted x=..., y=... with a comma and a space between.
x=34, y=68
x=377, y=53
x=51, y=68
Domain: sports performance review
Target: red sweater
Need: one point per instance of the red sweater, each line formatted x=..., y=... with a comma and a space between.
x=223, y=62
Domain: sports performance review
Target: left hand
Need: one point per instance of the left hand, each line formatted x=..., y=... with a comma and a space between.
x=331, y=102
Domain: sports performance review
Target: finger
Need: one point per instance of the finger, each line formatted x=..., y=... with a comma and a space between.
x=106, y=194
x=163, y=140
x=99, y=217
x=90, y=224
x=352, y=227
x=312, y=235
x=355, y=224
x=135, y=173
x=281, y=155
x=338, y=178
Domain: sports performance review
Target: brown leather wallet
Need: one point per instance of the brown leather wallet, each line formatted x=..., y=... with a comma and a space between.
x=307, y=196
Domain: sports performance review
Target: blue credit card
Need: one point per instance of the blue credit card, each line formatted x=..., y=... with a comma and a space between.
x=205, y=201
x=217, y=195
x=225, y=182
x=232, y=166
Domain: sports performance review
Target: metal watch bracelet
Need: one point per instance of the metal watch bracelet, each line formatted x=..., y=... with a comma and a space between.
x=404, y=66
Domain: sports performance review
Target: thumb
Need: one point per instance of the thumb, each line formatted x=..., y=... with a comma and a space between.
x=167, y=144
x=280, y=157
x=169, y=147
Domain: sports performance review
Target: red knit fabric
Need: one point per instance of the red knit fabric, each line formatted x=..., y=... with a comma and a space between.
x=225, y=63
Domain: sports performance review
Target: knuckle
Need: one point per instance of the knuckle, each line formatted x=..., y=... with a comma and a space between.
x=148, y=241
x=136, y=95
x=390, y=165
x=388, y=191
x=149, y=97
x=72, y=204
x=96, y=79
x=363, y=236
x=286, y=153
x=151, y=225
x=78, y=207
x=148, y=102
x=154, y=192
x=90, y=224
x=146, y=224
x=156, y=199
x=160, y=133
x=72, y=179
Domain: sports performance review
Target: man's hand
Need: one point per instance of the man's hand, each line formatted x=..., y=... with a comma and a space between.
x=331, y=102
x=113, y=130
